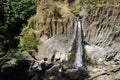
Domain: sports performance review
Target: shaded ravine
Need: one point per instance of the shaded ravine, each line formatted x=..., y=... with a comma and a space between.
x=79, y=51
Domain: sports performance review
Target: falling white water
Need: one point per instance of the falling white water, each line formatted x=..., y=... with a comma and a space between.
x=79, y=51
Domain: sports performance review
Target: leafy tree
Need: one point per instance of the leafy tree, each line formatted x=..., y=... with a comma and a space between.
x=13, y=14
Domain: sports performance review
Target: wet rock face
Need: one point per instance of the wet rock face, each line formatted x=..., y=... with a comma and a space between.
x=102, y=29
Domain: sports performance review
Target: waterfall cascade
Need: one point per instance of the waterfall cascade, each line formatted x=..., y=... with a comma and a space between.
x=79, y=51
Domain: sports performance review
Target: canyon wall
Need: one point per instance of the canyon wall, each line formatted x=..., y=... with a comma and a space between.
x=102, y=32
x=56, y=30
x=56, y=27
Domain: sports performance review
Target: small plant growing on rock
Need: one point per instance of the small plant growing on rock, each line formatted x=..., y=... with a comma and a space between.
x=75, y=12
x=56, y=11
x=103, y=1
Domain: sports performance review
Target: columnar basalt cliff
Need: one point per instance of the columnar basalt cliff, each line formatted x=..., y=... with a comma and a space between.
x=66, y=40
x=55, y=26
x=56, y=29
x=102, y=31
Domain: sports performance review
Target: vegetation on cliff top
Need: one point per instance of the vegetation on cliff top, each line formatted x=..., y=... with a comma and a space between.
x=56, y=11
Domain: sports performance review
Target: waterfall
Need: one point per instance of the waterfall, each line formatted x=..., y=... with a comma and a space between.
x=79, y=51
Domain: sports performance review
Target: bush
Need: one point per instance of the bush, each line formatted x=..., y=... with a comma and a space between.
x=28, y=40
x=17, y=10
x=75, y=12
x=103, y=1
x=56, y=11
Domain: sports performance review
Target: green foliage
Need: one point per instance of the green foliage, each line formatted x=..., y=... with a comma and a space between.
x=103, y=1
x=56, y=11
x=32, y=22
x=18, y=10
x=18, y=54
x=71, y=57
x=28, y=40
x=75, y=12
x=13, y=13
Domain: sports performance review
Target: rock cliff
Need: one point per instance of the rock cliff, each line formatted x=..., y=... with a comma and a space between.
x=56, y=24
x=102, y=32
x=56, y=30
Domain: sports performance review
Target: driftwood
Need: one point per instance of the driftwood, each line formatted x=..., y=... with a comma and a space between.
x=105, y=73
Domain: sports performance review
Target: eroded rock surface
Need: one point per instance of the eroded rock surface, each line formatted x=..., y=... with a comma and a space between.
x=101, y=32
x=56, y=30
x=102, y=29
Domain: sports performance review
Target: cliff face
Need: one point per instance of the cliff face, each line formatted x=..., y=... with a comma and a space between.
x=56, y=30
x=56, y=25
x=102, y=31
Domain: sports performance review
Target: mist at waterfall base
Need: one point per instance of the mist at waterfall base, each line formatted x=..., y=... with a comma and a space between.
x=79, y=51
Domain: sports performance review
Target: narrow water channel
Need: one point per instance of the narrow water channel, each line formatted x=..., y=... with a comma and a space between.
x=79, y=51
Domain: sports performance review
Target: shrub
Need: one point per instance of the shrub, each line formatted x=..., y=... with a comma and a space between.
x=28, y=39
x=75, y=12
x=103, y=1
x=56, y=11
